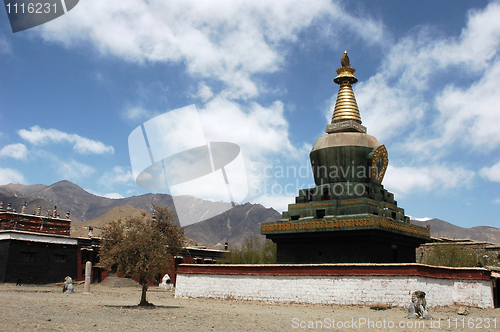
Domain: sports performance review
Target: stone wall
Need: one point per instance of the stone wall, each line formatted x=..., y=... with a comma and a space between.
x=470, y=287
x=426, y=253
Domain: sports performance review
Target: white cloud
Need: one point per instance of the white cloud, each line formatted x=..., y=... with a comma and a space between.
x=470, y=114
x=385, y=109
x=137, y=113
x=39, y=136
x=491, y=173
x=204, y=92
x=404, y=180
x=119, y=175
x=277, y=202
x=410, y=99
x=16, y=151
x=424, y=219
x=227, y=41
x=113, y=195
x=107, y=195
x=85, y=145
x=8, y=175
x=74, y=170
x=257, y=129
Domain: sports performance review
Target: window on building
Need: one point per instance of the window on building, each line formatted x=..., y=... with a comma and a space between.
x=320, y=213
x=84, y=254
x=177, y=261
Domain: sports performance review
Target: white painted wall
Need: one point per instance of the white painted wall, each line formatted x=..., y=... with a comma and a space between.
x=348, y=290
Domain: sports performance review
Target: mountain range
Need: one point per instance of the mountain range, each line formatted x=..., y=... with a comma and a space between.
x=441, y=228
x=85, y=206
x=231, y=226
x=91, y=210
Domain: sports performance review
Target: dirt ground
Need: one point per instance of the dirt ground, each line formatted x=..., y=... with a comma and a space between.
x=45, y=308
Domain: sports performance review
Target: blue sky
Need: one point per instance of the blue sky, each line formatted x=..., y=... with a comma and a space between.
x=260, y=74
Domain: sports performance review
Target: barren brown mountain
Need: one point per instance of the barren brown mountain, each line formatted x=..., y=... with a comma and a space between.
x=441, y=228
x=119, y=212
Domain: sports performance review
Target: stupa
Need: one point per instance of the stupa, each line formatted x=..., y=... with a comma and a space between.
x=348, y=217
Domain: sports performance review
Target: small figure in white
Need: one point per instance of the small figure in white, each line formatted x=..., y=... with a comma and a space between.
x=68, y=285
x=418, y=306
x=165, y=283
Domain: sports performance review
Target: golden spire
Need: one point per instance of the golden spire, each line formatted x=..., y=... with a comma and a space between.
x=346, y=107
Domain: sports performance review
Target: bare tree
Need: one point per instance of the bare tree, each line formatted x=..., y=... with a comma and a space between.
x=142, y=247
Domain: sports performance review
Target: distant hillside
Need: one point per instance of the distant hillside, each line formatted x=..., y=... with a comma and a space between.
x=119, y=212
x=85, y=206
x=33, y=204
x=91, y=210
x=440, y=228
x=232, y=226
x=98, y=223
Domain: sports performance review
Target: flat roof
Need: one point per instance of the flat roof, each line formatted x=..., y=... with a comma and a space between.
x=37, y=237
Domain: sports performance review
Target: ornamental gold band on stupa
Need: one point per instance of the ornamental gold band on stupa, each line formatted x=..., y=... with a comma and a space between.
x=348, y=217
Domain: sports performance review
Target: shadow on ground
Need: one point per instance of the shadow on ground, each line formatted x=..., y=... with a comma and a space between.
x=136, y=306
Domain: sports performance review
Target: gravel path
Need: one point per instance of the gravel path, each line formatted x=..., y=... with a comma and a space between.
x=45, y=308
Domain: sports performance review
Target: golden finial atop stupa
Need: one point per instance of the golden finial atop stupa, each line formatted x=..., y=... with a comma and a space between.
x=346, y=107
